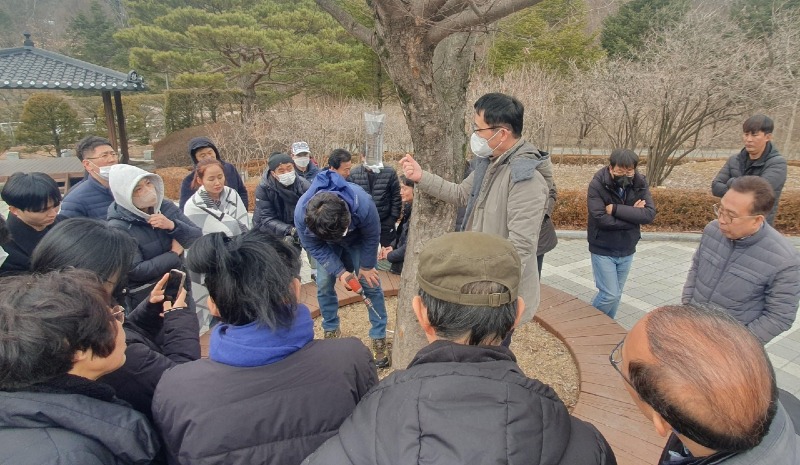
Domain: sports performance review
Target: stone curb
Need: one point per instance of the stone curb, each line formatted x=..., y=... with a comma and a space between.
x=657, y=236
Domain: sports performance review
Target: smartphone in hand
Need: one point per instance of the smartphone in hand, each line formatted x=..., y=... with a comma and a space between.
x=174, y=285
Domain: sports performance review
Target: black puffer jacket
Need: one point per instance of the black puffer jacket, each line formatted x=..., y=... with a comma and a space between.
x=617, y=234
x=213, y=413
x=275, y=204
x=770, y=166
x=384, y=187
x=398, y=254
x=153, y=257
x=155, y=344
x=72, y=429
x=459, y=404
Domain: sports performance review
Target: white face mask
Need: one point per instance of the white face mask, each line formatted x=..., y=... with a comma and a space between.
x=480, y=146
x=287, y=179
x=104, y=172
x=302, y=162
x=145, y=199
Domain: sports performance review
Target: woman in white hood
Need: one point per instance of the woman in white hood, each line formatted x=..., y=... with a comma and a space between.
x=215, y=207
x=159, y=227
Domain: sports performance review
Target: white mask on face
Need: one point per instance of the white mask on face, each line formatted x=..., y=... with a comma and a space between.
x=480, y=146
x=145, y=199
x=104, y=172
x=302, y=162
x=287, y=179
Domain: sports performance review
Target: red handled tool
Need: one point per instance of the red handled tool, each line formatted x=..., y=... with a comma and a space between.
x=355, y=286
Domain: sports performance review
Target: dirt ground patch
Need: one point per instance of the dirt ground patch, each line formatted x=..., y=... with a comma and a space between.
x=540, y=354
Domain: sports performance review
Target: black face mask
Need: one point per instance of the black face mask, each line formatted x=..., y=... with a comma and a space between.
x=623, y=181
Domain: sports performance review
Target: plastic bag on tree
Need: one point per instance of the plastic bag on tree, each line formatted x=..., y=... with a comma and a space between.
x=373, y=149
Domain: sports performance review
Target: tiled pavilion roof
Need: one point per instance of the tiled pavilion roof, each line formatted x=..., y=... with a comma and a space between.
x=28, y=67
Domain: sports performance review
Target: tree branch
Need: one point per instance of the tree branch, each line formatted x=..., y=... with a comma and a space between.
x=358, y=30
x=466, y=19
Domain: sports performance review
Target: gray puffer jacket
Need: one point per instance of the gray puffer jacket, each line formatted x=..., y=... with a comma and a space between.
x=755, y=279
x=460, y=404
x=770, y=166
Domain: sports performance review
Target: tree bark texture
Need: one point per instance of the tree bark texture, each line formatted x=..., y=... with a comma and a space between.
x=426, y=47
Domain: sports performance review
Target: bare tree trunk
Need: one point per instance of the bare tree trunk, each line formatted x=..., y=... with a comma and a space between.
x=432, y=218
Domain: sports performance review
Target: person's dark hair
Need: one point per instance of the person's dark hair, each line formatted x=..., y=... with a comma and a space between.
x=74, y=243
x=327, y=216
x=763, y=194
x=200, y=171
x=337, y=157
x=758, y=123
x=249, y=277
x=482, y=324
x=45, y=319
x=33, y=192
x=624, y=158
x=407, y=182
x=502, y=110
x=87, y=145
x=717, y=363
x=5, y=234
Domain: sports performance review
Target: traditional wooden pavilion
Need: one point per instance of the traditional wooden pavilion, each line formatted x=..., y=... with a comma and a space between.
x=28, y=67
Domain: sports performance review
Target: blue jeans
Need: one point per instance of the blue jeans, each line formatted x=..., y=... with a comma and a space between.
x=329, y=302
x=610, y=274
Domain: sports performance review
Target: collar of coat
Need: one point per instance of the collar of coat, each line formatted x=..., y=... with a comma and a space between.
x=448, y=351
x=523, y=158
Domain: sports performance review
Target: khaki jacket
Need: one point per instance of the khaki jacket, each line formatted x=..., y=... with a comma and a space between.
x=511, y=204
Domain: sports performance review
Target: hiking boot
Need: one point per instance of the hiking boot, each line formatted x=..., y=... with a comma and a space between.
x=333, y=334
x=380, y=353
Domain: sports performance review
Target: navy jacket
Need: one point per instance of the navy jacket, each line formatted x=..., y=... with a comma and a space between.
x=365, y=226
x=617, y=234
x=232, y=177
x=88, y=199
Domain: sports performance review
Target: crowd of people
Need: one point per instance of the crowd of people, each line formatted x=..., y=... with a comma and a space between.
x=100, y=357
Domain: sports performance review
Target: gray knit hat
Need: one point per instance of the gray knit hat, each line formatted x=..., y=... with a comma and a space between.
x=453, y=260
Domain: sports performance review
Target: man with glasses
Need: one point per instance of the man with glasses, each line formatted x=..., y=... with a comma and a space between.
x=759, y=157
x=619, y=202
x=91, y=197
x=506, y=194
x=743, y=265
x=702, y=379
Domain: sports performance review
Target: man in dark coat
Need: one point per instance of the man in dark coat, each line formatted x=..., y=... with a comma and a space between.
x=201, y=148
x=705, y=381
x=619, y=202
x=464, y=399
x=382, y=184
x=758, y=158
x=276, y=197
x=301, y=156
x=91, y=197
x=33, y=200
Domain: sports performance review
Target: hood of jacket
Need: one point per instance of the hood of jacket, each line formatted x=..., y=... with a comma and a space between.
x=198, y=143
x=331, y=181
x=123, y=179
x=122, y=430
x=524, y=158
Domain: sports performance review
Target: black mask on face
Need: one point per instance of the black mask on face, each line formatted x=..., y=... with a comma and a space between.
x=623, y=181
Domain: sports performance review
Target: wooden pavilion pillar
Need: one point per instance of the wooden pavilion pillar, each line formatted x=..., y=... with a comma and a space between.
x=123, y=132
x=109, y=112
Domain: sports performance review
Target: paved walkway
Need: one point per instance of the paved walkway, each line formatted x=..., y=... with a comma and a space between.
x=656, y=279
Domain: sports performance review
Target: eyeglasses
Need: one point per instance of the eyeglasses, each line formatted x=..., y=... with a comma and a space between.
x=109, y=155
x=623, y=172
x=727, y=216
x=118, y=312
x=477, y=129
x=616, y=359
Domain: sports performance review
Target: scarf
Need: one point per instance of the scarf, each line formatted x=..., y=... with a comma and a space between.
x=72, y=384
x=227, y=215
x=254, y=344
